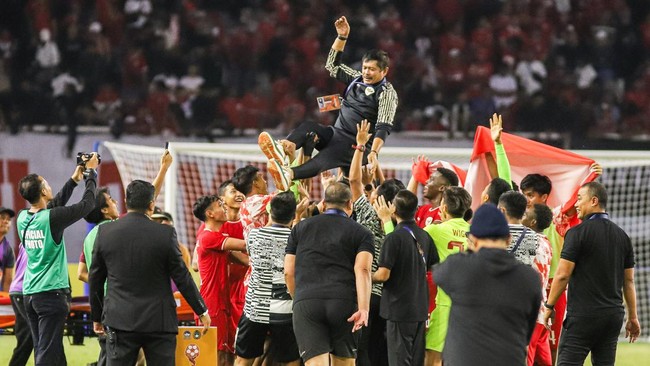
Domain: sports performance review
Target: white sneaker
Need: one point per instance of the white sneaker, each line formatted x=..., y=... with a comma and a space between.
x=281, y=174
x=272, y=148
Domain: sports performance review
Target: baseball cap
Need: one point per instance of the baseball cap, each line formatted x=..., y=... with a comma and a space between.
x=7, y=210
x=489, y=222
x=162, y=216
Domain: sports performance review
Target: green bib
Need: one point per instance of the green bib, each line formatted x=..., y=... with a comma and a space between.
x=47, y=265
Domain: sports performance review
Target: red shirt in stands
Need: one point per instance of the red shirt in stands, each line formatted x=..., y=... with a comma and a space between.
x=427, y=215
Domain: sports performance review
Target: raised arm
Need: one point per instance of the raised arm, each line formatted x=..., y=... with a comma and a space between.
x=356, y=184
x=165, y=162
x=503, y=164
x=333, y=64
x=65, y=193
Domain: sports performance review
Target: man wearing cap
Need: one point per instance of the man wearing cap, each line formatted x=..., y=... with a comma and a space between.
x=478, y=283
x=7, y=258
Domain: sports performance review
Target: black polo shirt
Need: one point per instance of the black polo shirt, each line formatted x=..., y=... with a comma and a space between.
x=405, y=296
x=601, y=252
x=326, y=248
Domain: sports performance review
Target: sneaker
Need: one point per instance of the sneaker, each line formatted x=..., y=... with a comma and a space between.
x=280, y=173
x=271, y=148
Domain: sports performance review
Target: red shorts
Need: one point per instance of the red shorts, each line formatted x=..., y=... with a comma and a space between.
x=539, y=352
x=556, y=328
x=225, y=331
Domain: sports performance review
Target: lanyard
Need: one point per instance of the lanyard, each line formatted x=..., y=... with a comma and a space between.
x=334, y=211
x=600, y=215
x=417, y=244
x=27, y=226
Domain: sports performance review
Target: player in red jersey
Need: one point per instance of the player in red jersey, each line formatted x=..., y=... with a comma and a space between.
x=215, y=240
x=439, y=178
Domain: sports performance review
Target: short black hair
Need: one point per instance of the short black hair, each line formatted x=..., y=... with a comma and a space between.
x=457, y=200
x=514, y=203
x=383, y=61
x=338, y=194
x=244, y=177
x=202, y=204
x=389, y=189
x=222, y=187
x=139, y=194
x=449, y=175
x=543, y=216
x=30, y=188
x=598, y=190
x=283, y=207
x=406, y=204
x=540, y=184
x=497, y=187
x=96, y=216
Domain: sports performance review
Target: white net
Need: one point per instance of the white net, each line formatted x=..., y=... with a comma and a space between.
x=199, y=169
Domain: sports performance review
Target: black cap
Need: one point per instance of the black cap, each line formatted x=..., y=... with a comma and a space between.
x=489, y=222
x=11, y=212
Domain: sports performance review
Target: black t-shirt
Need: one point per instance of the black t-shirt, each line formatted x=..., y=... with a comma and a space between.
x=326, y=247
x=601, y=252
x=495, y=301
x=405, y=296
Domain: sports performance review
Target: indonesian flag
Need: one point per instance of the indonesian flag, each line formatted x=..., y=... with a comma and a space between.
x=567, y=170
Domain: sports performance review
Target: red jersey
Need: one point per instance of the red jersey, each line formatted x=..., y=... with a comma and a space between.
x=213, y=268
x=427, y=215
x=236, y=273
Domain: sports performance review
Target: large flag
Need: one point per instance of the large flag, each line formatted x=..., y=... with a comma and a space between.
x=567, y=170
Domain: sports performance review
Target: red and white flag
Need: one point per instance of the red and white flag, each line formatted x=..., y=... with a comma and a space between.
x=567, y=170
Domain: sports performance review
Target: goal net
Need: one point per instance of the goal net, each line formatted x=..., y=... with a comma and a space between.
x=199, y=169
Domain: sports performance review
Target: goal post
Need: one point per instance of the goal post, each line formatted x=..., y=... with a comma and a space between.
x=199, y=168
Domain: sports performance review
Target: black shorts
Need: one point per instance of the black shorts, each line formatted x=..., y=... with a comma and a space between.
x=322, y=326
x=250, y=337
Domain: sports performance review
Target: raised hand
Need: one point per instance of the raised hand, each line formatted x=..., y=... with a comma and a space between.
x=342, y=26
x=596, y=168
x=166, y=159
x=363, y=134
x=496, y=127
x=384, y=210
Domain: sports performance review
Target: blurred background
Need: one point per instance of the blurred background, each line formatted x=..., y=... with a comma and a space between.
x=574, y=73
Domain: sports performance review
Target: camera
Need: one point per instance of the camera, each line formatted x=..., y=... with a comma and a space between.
x=82, y=157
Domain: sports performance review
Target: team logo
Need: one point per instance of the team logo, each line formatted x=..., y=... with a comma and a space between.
x=187, y=334
x=370, y=91
x=192, y=353
x=197, y=334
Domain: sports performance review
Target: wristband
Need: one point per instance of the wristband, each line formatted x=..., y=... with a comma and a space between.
x=375, y=151
x=342, y=38
x=361, y=148
x=549, y=306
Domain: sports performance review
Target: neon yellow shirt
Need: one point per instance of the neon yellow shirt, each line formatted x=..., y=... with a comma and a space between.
x=449, y=238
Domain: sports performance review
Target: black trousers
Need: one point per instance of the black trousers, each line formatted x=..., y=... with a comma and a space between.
x=24, y=344
x=405, y=343
x=47, y=312
x=122, y=348
x=334, y=149
x=581, y=335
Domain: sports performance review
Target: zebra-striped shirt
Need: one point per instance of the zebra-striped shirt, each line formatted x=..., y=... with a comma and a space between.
x=267, y=298
x=366, y=216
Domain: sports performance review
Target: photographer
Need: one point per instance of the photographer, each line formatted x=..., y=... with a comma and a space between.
x=46, y=285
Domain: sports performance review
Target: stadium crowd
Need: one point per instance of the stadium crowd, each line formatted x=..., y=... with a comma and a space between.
x=146, y=66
